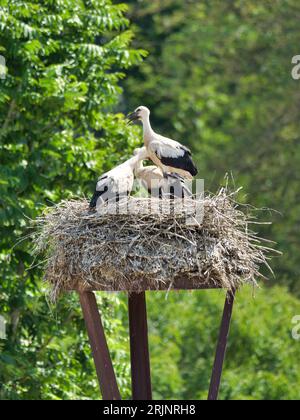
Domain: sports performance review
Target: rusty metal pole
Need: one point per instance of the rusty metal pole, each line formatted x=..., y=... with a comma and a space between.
x=104, y=367
x=221, y=348
x=139, y=350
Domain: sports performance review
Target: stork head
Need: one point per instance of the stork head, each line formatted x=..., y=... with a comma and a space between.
x=141, y=113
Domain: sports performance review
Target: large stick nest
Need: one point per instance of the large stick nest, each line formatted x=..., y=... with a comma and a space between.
x=149, y=248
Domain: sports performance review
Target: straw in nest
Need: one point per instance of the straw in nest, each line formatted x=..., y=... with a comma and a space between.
x=147, y=249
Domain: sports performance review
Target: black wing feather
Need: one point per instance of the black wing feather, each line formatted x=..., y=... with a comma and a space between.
x=186, y=149
x=97, y=194
x=184, y=162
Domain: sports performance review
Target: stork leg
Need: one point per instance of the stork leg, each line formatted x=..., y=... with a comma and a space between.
x=140, y=361
x=104, y=367
x=221, y=348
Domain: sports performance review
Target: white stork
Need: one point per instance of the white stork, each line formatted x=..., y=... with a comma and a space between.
x=118, y=182
x=168, y=154
x=159, y=184
x=150, y=177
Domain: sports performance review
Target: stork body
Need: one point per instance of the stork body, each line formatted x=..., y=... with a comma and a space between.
x=118, y=182
x=168, y=154
x=159, y=184
x=149, y=176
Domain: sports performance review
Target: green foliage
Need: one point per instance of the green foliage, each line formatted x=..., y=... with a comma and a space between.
x=57, y=133
x=262, y=358
x=48, y=356
x=218, y=79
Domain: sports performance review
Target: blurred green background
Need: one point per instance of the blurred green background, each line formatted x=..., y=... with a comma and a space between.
x=217, y=77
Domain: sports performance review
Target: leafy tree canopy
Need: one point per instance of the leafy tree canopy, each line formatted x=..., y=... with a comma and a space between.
x=65, y=59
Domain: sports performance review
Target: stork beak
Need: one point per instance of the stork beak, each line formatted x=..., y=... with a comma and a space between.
x=132, y=117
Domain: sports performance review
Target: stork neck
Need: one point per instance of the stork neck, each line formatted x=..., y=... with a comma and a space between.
x=148, y=132
x=139, y=166
x=138, y=159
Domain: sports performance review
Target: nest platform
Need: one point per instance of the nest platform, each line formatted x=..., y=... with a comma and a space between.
x=150, y=246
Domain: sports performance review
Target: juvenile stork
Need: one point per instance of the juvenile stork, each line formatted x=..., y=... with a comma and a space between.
x=118, y=182
x=159, y=184
x=168, y=154
x=150, y=177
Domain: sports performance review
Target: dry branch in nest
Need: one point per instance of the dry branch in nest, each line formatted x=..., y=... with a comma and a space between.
x=149, y=247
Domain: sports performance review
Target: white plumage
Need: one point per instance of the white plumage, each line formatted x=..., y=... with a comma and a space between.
x=166, y=153
x=118, y=182
x=159, y=184
x=149, y=176
x=174, y=163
